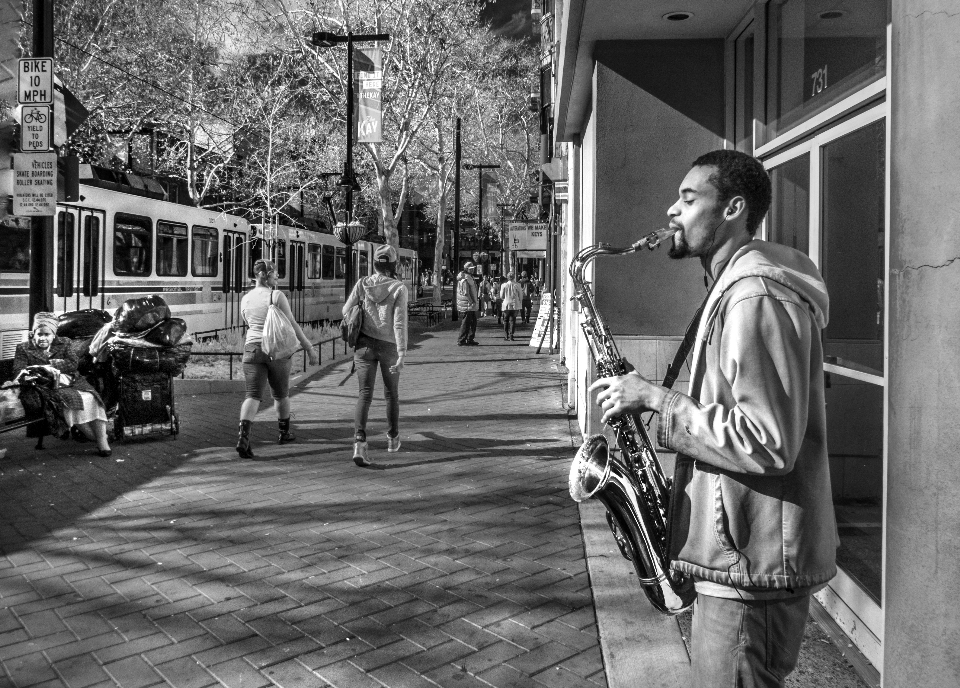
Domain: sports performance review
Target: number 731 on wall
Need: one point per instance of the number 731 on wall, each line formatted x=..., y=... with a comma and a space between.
x=819, y=79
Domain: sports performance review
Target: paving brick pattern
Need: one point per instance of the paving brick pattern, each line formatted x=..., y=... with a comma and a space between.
x=457, y=561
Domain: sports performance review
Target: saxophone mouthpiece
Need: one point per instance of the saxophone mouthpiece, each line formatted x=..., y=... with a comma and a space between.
x=654, y=239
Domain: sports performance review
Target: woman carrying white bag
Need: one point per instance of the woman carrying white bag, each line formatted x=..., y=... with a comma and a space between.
x=266, y=354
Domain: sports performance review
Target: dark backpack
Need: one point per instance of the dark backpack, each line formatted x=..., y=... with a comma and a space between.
x=351, y=324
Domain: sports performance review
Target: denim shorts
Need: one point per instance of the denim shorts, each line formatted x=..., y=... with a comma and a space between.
x=259, y=370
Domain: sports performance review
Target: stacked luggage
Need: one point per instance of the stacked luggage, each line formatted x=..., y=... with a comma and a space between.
x=136, y=356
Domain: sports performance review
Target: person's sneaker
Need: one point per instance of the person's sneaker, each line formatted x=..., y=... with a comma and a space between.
x=360, y=454
x=393, y=443
x=473, y=343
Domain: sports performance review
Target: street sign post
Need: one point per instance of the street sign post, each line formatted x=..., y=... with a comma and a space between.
x=35, y=81
x=35, y=127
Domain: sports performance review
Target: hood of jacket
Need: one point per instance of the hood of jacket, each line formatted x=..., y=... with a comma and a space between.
x=378, y=288
x=781, y=264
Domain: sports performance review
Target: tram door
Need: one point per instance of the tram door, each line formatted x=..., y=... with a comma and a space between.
x=297, y=266
x=232, y=284
x=78, y=276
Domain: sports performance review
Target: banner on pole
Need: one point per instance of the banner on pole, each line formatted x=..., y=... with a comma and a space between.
x=527, y=236
x=369, y=66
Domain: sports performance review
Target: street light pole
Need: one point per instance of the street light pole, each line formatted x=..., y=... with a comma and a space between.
x=350, y=232
x=480, y=167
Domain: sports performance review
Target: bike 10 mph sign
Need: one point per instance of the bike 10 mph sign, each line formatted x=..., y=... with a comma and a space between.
x=35, y=121
x=35, y=81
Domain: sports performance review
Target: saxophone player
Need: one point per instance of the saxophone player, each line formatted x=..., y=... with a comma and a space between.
x=751, y=515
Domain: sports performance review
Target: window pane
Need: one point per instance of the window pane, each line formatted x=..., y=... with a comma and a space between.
x=281, y=258
x=171, y=249
x=855, y=443
x=824, y=53
x=205, y=241
x=743, y=102
x=131, y=245
x=65, y=254
x=853, y=219
x=256, y=253
x=327, y=268
x=788, y=221
x=313, y=261
x=852, y=245
x=364, y=266
x=14, y=246
x=340, y=269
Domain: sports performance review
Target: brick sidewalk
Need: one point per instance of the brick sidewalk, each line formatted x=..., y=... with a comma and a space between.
x=458, y=561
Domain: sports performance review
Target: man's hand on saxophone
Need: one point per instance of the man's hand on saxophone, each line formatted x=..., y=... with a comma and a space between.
x=630, y=393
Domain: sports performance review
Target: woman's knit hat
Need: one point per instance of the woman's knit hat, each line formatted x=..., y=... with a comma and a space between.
x=48, y=320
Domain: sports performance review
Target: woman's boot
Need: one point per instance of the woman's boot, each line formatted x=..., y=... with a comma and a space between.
x=243, y=442
x=285, y=434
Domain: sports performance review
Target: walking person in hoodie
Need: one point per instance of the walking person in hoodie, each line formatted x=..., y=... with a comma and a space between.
x=382, y=343
x=751, y=515
x=467, y=305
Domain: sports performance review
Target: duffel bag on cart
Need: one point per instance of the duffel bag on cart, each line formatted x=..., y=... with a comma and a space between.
x=127, y=358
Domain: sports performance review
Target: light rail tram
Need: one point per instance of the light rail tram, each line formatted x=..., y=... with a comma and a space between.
x=117, y=243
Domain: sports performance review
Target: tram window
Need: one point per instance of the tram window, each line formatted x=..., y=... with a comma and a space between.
x=313, y=261
x=281, y=258
x=14, y=248
x=65, y=236
x=171, y=249
x=364, y=264
x=256, y=253
x=340, y=263
x=132, y=239
x=205, y=241
x=91, y=255
x=326, y=265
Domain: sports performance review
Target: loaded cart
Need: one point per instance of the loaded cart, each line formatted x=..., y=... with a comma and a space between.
x=145, y=406
x=138, y=354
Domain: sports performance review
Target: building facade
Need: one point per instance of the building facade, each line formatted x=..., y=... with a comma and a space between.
x=850, y=106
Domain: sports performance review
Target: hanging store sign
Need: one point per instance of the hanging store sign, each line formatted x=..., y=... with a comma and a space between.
x=370, y=80
x=527, y=236
x=35, y=184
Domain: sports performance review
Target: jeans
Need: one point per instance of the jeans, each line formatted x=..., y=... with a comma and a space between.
x=509, y=322
x=468, y=327
x=259, y=369
x=746, y=643
x=369, y=354
x=525, y=307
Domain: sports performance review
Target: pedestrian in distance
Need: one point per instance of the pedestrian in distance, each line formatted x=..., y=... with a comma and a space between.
x=526, y=303
x=259, y=369
x=512, y=296
x=382, y=344
x=467, y=304
x=752, y=519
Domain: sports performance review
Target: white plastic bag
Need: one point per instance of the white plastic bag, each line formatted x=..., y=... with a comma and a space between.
x=279, y=339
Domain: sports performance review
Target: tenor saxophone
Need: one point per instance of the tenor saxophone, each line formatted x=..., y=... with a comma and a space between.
x=633, y=488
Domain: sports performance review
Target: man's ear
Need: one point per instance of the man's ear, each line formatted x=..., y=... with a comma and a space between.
x=736, y=207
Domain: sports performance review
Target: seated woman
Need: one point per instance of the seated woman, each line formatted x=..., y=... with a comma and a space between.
x=65, y=399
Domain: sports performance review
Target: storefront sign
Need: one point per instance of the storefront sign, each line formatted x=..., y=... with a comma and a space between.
x=370, y=78
x=35, y=184
x=527, y=236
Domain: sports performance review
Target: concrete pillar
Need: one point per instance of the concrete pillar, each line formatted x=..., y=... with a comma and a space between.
x=922, y=545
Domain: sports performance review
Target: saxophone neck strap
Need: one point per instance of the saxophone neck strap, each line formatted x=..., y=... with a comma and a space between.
x=673, y=371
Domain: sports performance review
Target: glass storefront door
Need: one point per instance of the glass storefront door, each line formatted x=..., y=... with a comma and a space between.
x=829, y=197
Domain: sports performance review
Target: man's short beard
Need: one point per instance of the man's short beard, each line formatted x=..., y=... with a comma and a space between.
x=679, y=249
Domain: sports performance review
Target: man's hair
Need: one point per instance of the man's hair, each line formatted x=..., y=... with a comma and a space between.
x=739, y=174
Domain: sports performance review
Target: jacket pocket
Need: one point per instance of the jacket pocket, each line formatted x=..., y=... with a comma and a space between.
x=721, y=522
